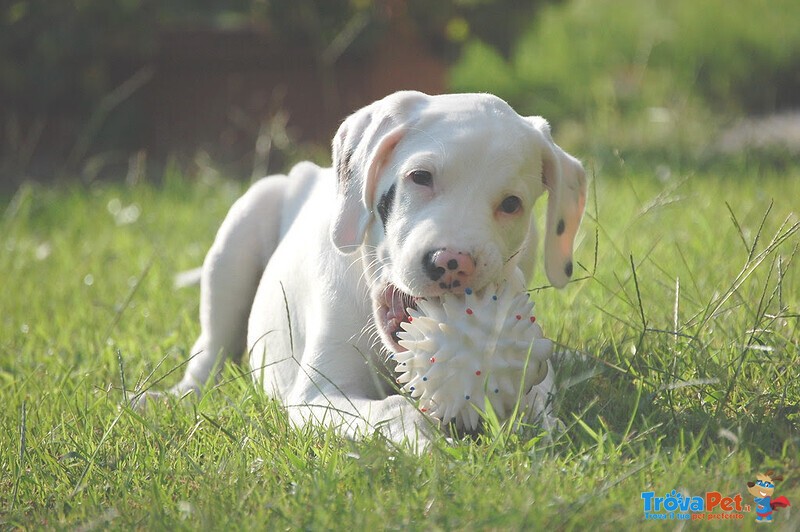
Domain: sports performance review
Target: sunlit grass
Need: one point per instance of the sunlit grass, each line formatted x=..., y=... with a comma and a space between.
x=686, y=312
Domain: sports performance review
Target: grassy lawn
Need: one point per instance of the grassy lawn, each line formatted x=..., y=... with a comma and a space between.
x=686, y=306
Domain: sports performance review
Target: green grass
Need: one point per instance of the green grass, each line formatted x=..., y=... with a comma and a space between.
x=695, y=391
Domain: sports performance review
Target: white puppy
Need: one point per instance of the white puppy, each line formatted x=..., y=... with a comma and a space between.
x=311, y=273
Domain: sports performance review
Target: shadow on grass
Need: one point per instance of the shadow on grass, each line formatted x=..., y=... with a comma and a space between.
x=613, y=402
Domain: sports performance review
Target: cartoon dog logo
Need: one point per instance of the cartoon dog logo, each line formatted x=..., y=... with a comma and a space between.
x=762, y=490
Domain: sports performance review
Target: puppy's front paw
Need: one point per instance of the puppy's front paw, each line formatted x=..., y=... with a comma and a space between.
x=181, y=390
x=408, y=425
x=141, y=401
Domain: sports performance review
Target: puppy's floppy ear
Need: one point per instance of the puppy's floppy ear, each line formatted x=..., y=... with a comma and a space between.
x=361, y=148
x=351, y=214
x=565, y=181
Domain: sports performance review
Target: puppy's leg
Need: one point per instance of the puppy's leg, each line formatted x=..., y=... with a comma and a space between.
x=346, y=396
x=355, y=417
x=231, y=273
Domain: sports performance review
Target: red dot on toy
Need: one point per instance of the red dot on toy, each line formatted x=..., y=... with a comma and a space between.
x=469, y=311
x=533, y=319
x=519, y=317
x=433, y=359
x=478, y=373
x=410, y=319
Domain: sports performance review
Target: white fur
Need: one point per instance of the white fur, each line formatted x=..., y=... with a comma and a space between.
x=297, y=268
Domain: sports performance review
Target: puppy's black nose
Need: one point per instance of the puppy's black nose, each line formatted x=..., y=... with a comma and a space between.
x=430, y=266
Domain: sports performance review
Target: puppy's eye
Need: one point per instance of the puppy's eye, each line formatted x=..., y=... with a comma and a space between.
x=511, y=205
x=421, y=177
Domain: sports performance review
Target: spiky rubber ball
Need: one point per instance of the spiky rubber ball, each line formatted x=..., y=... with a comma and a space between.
x=462, y=351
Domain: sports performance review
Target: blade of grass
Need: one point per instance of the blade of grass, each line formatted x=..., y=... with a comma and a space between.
x=738, y=228
x=23, y=427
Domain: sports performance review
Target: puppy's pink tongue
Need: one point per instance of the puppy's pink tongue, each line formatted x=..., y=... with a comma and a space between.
x=393, y=326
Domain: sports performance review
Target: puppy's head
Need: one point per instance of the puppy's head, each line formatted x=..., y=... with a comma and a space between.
x=437, y=193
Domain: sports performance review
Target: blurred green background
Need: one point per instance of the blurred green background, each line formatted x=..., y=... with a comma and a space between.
x=92, y=89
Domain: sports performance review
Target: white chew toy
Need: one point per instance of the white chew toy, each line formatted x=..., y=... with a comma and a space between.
x=464, y=350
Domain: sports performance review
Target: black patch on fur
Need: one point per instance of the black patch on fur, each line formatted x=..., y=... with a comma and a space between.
x=343, y=168
x=560, y=227
x=385, y=206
